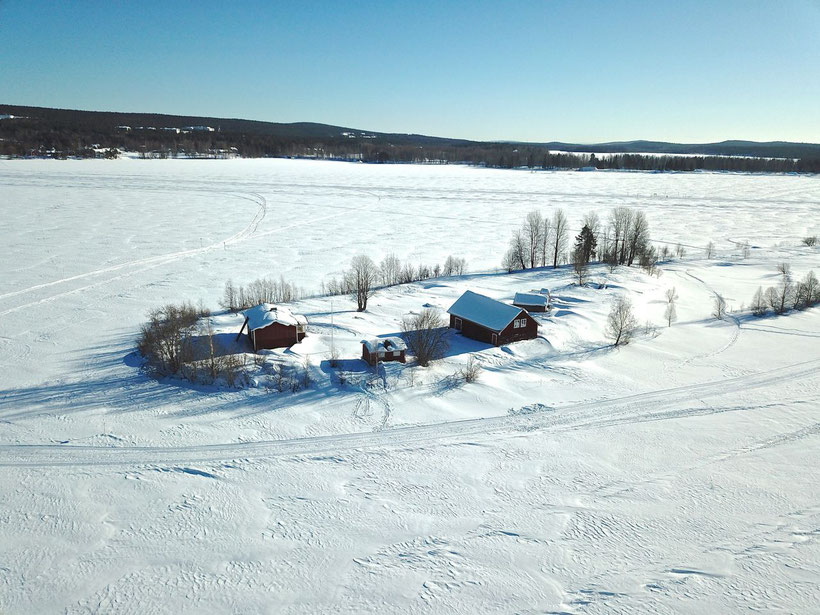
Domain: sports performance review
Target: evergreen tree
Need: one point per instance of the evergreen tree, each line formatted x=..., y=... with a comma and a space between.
x=585, y=245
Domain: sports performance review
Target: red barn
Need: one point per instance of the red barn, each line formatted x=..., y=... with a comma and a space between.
x=487, y=320
x=384, y=349
x=271, y=326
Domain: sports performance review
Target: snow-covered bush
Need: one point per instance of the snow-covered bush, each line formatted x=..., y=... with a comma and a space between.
x=471, y=371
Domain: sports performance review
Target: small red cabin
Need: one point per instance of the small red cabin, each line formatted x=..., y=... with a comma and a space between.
x=384, y=349
x=487, y=320
x=271, y=326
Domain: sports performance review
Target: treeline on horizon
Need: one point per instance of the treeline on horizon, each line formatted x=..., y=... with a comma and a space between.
x=66, y=134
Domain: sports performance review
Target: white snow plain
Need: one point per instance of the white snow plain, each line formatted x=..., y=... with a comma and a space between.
x=678, y=474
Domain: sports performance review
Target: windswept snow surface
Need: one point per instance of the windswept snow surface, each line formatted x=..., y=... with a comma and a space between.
x=677, y=474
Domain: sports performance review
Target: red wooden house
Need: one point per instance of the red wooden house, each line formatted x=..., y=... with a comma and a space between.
x=271, y=326
x=487, y=320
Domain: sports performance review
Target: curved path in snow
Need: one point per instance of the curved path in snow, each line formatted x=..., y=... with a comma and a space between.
x=606, y=412
x=143, y=264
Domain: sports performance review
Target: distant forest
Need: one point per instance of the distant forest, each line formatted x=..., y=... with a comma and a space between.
x=60, y=133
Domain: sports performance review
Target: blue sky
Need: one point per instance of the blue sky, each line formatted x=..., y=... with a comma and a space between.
x=578, y=71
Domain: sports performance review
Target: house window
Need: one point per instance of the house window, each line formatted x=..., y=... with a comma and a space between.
x=516, y=323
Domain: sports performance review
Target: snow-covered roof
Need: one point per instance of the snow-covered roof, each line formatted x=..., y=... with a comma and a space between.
x=267, y=314
x=384, y=344
x=484, y=311
x=530, y=299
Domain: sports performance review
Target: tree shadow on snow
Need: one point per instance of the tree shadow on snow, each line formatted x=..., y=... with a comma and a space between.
x=223, y=343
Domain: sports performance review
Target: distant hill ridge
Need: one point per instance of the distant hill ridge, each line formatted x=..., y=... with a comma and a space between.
x=64, y=132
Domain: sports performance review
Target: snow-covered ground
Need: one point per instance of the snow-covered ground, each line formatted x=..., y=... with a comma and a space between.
x=676, y=474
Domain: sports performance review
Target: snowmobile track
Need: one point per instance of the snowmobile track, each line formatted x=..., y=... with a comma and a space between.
x=632, y=408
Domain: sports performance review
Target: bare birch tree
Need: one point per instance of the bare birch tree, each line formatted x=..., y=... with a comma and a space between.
x=759, y=306
x=637, y=235
x=719, y=307
x=710, y=249
x=671, y=312
x=517, y=254
x=362, y=277
x=559, y=235
x=533, y=235
x=389, y=270
x=620, y=219
x=621, y=322
x=426, y=335
x=546, y=234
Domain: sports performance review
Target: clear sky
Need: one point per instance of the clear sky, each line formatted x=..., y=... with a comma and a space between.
x=579, y=71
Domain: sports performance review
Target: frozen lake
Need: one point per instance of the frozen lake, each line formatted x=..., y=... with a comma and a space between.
x=677, y=474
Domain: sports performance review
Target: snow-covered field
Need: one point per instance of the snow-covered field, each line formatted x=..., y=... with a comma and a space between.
x=677, y=474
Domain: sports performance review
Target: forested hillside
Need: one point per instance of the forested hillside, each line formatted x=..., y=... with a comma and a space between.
x=61, y=133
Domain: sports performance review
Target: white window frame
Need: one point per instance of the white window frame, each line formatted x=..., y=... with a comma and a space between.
x=516, y=324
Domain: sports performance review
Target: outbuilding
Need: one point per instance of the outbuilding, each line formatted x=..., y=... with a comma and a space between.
x=272, y=326
x=532, y=302
x=384, y=349
x=488, y=320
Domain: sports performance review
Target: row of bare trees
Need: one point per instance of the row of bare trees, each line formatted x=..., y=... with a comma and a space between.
x=787, y=294
x=264, y=290
x=364, y=276
x=626, y=236
x=539, y=242
x=542, y=241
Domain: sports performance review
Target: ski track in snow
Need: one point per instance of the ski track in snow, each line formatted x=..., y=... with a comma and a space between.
x=161, y=259
x=146, y=264
x=585, y=415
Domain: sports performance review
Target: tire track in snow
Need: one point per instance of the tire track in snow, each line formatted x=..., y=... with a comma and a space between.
x=621, y=486
x=583, y=415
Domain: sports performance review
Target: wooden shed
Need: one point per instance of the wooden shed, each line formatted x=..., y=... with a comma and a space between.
x=271, y=326
x=384, y=349
x=532, y=302
x=487, y=320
